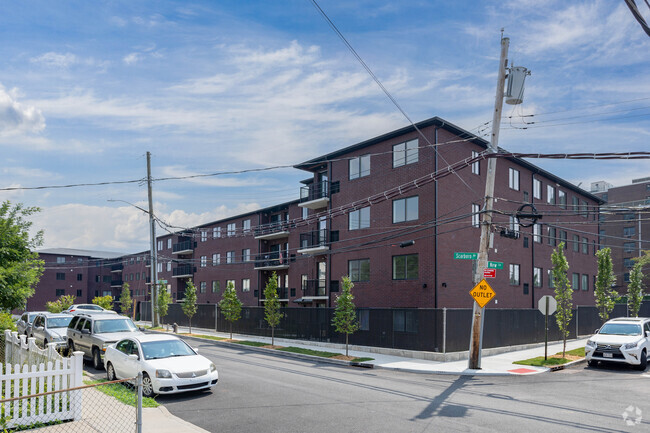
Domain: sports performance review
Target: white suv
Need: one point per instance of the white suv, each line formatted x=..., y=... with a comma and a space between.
x=625, y=339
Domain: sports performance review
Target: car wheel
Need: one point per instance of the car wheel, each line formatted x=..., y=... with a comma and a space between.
x=110, y=372
x=97, y=360
x=644, y=361
x=147, y=386
x=70, y=347
x=592, y=363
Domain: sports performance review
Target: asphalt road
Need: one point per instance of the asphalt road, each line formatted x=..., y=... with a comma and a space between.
x=265, y=393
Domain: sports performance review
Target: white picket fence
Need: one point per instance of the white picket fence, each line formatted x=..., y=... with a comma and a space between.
x=38, y=385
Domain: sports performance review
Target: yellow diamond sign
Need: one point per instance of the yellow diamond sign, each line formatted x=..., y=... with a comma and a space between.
x=482, y=293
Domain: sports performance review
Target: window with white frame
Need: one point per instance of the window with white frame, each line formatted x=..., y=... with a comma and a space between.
x=204, y=261
x=60, y=260
x=359, y=219
x=216, y=232
x=513, y=179
x=159, y=267
x=561, y=198
x=160, y=245
x=537, y=189
x=514, y=274
x=585, y=282
x=216, y=259
x=514, y=224
x=169, y=266
x=359, y=270
x=575, y=281
x=246, y=255
x=537, y=233
x=476, y=166
x=537, y=277
x=551, y=280
x=405, y=153
x=204, y=235
x=215, y=286
x=247, y=226
x=202, y=286
x=405, y=209
x=246, y=285
x=232, y=228
x=585, y=246
x=305, y=212
x=359, y=166
x=476, y=215
x=230, y=257
x=230, y=283
x=169, y=244
x=406, y=267
x=550, y=194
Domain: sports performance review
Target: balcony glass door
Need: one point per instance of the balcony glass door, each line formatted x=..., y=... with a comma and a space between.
x=322, y=278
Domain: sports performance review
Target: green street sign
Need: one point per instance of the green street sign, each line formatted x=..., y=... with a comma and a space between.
x=495, y=265
x=466, y=256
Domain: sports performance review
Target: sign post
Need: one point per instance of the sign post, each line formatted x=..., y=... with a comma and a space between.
x=547, y=306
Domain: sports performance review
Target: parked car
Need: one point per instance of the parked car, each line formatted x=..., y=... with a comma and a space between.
x=93, y=333
x=51, y=328
x=87, y=308
x=623, y=340
x=168, y=364
x=24, y=323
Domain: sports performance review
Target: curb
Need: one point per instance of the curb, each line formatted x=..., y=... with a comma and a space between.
x=568, y=364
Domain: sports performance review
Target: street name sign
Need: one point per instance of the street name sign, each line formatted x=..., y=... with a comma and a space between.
x=495, y=265
x=466, y=256
x=482, y=293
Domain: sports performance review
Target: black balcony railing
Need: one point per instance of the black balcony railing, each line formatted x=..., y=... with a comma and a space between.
x=271, y=228
x=283, y=293
x=315, y=191
x=314, y=288
x=116, y=283
x=317, y=238
x=275, y=258
x=183, y=246
x=181, y=270
x=117, y=267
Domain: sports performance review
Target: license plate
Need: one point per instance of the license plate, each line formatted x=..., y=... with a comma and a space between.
x=607, y=355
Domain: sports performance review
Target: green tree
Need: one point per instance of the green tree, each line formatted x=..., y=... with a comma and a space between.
x=345, y=314
x=563, y=293
x=230, y=306
x=162, y=301
x=6, y=322
x=272, y=312
x=63, y=303
x=126, y=302
x=606, y=297
x=189, y=303
x=635, y=289
x=20, y=268
x=104, y=301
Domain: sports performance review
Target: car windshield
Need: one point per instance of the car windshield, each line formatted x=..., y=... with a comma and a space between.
x=166, y=349
x=115, y=325
x=58, y=322
x=89, y=307
x=620, y=329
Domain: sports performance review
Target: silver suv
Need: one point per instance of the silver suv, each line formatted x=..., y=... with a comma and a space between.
x=93, y=333
x=51, y=328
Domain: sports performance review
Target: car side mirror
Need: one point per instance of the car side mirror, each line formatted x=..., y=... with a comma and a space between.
x=647, y=333
x=596, y=331
x=195, y=349
x=134, y=357
x=85, y=331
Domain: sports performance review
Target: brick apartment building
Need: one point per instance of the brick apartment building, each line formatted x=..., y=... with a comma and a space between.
x=390, y=214
x=624, y=225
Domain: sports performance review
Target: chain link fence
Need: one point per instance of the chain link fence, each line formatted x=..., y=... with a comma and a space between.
x=107, y=407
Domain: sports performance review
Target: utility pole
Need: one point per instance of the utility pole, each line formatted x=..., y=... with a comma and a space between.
x=154, y=257
x=486, y=226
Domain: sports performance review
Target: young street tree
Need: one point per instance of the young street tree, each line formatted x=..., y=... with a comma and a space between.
x=345, y=315
x=635, y=289
x=563, y=293
x=104, y=301
x=272, y=312
x=126, y=302
x=20, y=269
x=162, y=301
x=63, y=303
x=189, y=303
x=606, y=297
x=230, y=306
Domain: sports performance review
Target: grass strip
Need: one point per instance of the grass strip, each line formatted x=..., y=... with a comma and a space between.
x=122, y=392
x=320, y=353
x=250, y=343
x=539, y=361
x=207, y=337
x=362, y=359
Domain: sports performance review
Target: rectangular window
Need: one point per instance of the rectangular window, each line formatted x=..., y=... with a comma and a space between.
x=476, y=215
x=583, y=209
x=575, y=281
x=537, y=276
x=628, y=232
x=216, y=259
x=80, y=277
x=514, y=224
x=628, y=216
x=537, y=233
x=359, y=270
x=246, y=255
x=628, y=263
x=79, y=293
x=359, y=167
x=629, y=247
x=216, y=232
x=160, y=245
x=137, y=276
x=551, y=236
x=204, y=261
x=585, y=246
x=563, y=238
x=585, y=282
x=169, y=244
x=561, y=198
x=405, y=153
x=476, y=167
x=405, y=209
x=514, y=274
x=169, y=266
x=405, y=267
x=247, y=226
x=551, y=280
x=215, y=286
x=60, y=260
x=246, y=285
x=576, y=243
x=232, y=228
x=204, y=235
x=106, y=278
x=60, y=276
x=626, y=277
x=230, y=283
x=513, y=179
x=305, y=213
x=60, y=292
x=202, y=286
x=537, y=189
x=359, y=219
x=550, y=194
x=575, y=204
x=230, y=257
x=303, y=282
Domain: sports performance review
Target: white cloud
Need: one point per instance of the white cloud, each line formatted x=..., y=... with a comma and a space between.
x=16, y=117
x=131, y=58
x=56, y=60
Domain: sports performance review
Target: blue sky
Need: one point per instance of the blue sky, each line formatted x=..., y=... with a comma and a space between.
x=87, y=88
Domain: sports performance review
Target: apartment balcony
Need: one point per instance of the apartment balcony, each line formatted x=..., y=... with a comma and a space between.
x=147, y=263
x=315, y=195
x=283, y=294
x=116, y=283
x=314, y=289
x=314, y=243
x=184, y=247
x=183, y=271
x=273, y=261
x=118, y=267
x=276, y=230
